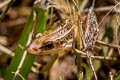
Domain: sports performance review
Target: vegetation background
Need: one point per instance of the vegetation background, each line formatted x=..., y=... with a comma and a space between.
x=17, y=23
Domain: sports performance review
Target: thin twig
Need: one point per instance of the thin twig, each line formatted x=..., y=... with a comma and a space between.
x=108, y=13
x=110, y=52
x=20, y=76
x=95, y=57
x=108, y=44
x=83, y=5
x=117, y=26
x=85, y=45
x=6, y=50
x=117, y=32
x=91, y=64
x=4, y=3
x=4, y=13
x=111, y=76
x=77, y=37
x=15, y=22
x=99, y=9
x=69, y=9
x=102, y=57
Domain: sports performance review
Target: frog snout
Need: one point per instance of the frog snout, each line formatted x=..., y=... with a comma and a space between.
x=34, y=48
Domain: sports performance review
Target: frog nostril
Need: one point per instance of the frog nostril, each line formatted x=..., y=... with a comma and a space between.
x=35, y=49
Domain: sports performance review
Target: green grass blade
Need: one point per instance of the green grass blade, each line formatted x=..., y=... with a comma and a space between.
x=29, y=59
x=117, y=78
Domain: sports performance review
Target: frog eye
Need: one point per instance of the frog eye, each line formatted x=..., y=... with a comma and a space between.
x=49, y=45
x=37, y=35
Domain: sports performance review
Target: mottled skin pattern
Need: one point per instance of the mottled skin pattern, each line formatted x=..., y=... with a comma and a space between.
x=53, y=41
x=60, y=39
x=90, y=30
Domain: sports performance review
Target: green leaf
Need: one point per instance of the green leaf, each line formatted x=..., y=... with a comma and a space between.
x=29, y=58
x=118, y=77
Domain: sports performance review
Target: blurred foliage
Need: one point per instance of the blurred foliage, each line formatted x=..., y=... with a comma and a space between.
x=15, y=27
x=29, y=58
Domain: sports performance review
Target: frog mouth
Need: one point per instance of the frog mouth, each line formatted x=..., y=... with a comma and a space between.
x=34, y=51
x=34, y=48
